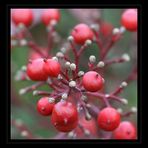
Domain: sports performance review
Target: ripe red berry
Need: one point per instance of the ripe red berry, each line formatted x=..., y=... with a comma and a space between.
x=35, y=70
x=81, y=33
x=49, y=15
x=108, y=119
x=88, y=125
x=126, y=130
x=24, y=16
x=106, y=29
x=129, y=19
x=64, y=116
x=51, y=67
x=44, y=107
x=92, y=81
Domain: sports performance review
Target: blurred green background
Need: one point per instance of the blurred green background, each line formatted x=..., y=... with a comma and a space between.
x=24, y=107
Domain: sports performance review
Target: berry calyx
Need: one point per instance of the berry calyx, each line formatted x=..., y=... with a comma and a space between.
x=50, y=14
x=129, y=19
x=35, y=70
x=44, y=107
x=108, y=119
x=81, y=33
x=92, y=81
x=24, y=16
x=64, y=116
x=51, y=67
x=126, y=130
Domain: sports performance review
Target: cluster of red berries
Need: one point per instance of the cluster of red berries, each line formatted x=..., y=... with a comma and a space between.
x=64, y=114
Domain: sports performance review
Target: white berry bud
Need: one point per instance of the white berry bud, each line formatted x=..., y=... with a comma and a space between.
x=35, y=92
x=122, y=29
x=134, y=109
x=123, y=84
x=59, y=55
x=86, y=132
x=124, y=101
x=72, y=66
x=88, y=116
x=107, y=95
x=126, y=57
x=88, y=42
x=71, y=134
x=24, y=133
x=70, y=38
x=95, y=27
x=72, y=83
x=49, y=80
x=120, y=110
x=92, y=59
x=60, y=77
x=101, y=64
x=55, y=58
x=80, y=73
x=23, y=42
x=84, y=98
x=63, y=50
x=51, y=100
x=67, y=64
x=22, y=91
x=116, y=31
x=21, y=26
x=64, y=96
x=23, y=68
x=53, y=22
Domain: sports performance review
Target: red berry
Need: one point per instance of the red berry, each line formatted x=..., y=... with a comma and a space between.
x=126, y=130
x=81, y=33
x=106, y=29
x=129, y=19
x=49, y=15
x=88, y=125
x=44, y=107
x=51, y=67
x=92, y=81
x=35, y=70
x=64, y=116
x=24, y=16
x=108, y=119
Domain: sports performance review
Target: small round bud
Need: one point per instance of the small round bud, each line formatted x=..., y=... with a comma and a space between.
x=71, y=134
x=51, y=100
x=101, y=64
x=124, y=101
x=22, y=91
x=60, y=77
x=53, y=22
x=67, y=64
x=88, y=116
x=23, y=68
x=95, y=27
x=73, y=66
x=120, y=110
x=35, y=92
x=21, y=26
x=80, y=73
x=23, y=42
x=59, y=55
x=122, y=29
x=92, y=59
x=64, y=96
x=126, y=57
x=134, y=109
x=24, y=133
x=88, y=105
x=116, y=31
x=84, y=98
x=70, y=38
x=72, y=83
x=86, y=132
x=107, y=95
x=63, y=50
x=49, y=80
x=88, y=42
x=55, y=58
x=124, y=84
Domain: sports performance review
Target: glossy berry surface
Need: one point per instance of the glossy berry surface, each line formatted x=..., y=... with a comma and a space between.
x=44, y=107
x=129, y=19
x=92, y=81
x=108, y=119
x=126, y=130
x=51, y=67
x=64, y=116
x=35, y=70
x=50, y=14
x=24, y=16
x=89, y=125
x=81, y=33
